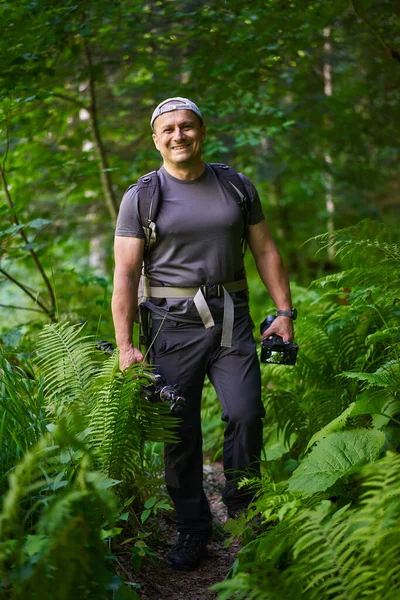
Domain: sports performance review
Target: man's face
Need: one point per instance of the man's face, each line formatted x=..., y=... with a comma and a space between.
x=178, y=136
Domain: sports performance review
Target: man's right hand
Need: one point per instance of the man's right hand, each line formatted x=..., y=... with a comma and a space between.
x=129, y=356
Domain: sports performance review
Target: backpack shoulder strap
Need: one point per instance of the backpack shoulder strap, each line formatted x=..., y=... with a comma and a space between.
x=149, y=197
x=234, y=185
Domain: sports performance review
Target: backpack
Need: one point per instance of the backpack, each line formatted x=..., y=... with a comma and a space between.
x=148, y=187
x=149, y=202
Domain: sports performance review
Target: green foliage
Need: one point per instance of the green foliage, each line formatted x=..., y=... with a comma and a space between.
x=66, y=361
x=23, y=419
x=322, y=553
x=152, y=507
x=101, y=433
x=119, y=418
x=323, y=534
x=348, y=340
x=72, y=77
x=336, y=456
x=55, y=537
x=370, y=255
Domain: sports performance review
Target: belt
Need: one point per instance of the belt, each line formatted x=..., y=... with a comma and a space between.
x=200, y=295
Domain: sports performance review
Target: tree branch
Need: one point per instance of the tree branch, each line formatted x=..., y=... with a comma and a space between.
x=20, y=307
x=31, y=250
x=25, y=289
x=391, y=52
x=71, y=99
x=106, y=181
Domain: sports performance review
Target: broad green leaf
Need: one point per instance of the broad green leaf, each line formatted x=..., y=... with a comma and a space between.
x=107, y=533
x=336, y=425
x=163, y=504
x=11, y=230
x=150, y=502
x=34, y=544
x=335, y=457
x=38, y=223
x=145, y=515
x=101, y=482
x=371, y=403
x=380, y=421
x=29, y=246
x=276, y=445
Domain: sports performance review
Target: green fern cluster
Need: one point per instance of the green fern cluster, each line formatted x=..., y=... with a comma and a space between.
x=51, y=523
x=72, y=427
x=115, y=412
x=370, y=255
x=349, y=337
x=324, y=535
x=318, y=552
x=23, y=418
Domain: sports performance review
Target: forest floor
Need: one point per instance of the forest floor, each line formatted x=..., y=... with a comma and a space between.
x=158, y=582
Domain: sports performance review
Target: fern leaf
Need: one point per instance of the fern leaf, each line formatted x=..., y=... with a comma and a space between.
x=66, y=361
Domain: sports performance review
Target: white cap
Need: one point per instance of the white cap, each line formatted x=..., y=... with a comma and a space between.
x=171, y=104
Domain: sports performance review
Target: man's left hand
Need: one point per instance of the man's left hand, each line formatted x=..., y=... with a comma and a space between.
x=282, y=326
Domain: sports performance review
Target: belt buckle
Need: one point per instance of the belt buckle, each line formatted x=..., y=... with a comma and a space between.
x=213, y=290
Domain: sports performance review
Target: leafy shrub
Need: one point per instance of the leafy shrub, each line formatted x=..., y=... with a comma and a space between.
x=318, y=552
x=324, y=536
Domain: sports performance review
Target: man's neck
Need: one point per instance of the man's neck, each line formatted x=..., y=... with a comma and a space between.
x=185, y=172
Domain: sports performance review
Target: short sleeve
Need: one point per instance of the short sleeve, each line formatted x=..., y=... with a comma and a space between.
x=256, y=213
x=128, y=222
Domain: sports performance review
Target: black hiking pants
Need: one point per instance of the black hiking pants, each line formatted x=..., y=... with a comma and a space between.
x=184, y=354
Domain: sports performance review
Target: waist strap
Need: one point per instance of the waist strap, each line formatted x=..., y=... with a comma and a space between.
x=199, y=295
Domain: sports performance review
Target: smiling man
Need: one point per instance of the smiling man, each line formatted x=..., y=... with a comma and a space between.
x=198, y=302
x=178, y=136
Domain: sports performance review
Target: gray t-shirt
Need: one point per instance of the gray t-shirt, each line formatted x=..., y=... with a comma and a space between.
x=199, y=232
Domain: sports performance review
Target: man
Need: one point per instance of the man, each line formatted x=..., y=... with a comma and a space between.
x=206, y=331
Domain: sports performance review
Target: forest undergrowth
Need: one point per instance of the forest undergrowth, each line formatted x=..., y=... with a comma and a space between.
x=158, y=581
x=84, y=512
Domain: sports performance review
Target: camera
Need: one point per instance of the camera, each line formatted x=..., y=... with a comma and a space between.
x=157, y=390
x=274, y=350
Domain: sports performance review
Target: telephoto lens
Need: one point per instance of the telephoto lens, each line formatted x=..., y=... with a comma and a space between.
x=157, y=390
x=273, y=349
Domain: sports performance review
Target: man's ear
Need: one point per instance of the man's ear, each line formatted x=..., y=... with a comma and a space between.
x=155, y=141
x=203, y=132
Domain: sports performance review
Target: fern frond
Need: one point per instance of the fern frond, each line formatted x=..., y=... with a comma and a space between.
x=370, y=241
x=289, y=414
x=23, y=418
x=322, y=555
x=370, y=253
x=66, y=359
x=377, y=280
x=121, y=420
x=387, y=376
x=62, y=550
x=380, y=514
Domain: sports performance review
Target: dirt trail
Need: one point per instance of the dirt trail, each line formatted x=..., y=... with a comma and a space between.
x=158, y=582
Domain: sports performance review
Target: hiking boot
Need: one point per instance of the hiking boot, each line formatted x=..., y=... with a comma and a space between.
x=237, y=511
x=187, y=553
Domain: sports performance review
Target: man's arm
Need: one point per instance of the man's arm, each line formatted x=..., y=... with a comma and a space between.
x=128, y=253
x=273, y=275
